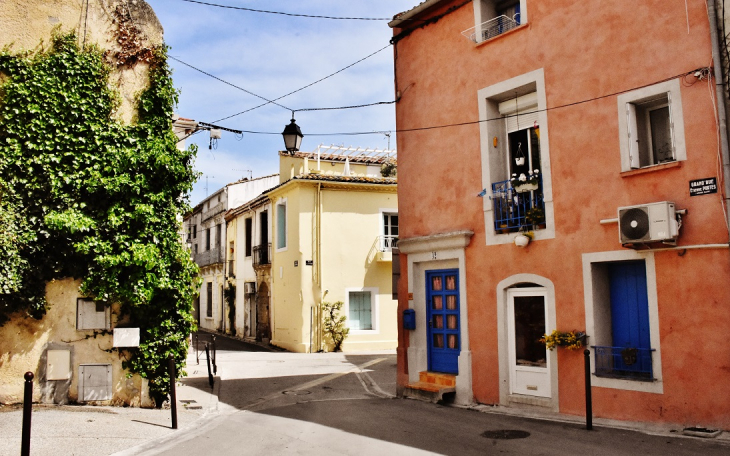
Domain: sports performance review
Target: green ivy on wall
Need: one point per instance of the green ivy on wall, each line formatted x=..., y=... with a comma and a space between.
x=83, y=195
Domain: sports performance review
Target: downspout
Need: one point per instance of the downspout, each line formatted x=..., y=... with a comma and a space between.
x=721, y=108
x=318, y=259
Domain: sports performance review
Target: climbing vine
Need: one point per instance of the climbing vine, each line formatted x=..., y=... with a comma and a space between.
x=83, y=195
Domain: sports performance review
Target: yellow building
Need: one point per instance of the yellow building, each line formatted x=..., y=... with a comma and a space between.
x=334, y=223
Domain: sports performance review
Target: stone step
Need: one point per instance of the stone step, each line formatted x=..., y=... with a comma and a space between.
x=437, y=378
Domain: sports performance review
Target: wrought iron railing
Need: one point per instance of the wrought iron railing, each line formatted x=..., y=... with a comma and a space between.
x=491, y=28
x=511, y=208
x=387, y=243
x=623, y=362
x=262, y=255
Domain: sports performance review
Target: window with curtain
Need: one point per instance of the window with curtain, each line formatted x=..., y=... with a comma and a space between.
x=360, y=310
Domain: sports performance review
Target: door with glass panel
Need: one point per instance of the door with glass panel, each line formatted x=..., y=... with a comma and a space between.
x=444, y=333
x=529, y=363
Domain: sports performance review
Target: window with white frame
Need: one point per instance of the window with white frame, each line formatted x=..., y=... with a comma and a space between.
x=281, y=225
x=515, y=158
x=651, y=126
x=622, y=320
x=92, y=314
x=390, y=231
x=360, y=310
x=494, y=17
x=249, y=236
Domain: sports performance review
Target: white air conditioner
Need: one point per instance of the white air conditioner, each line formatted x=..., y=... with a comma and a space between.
x=249, y=287
x=653, y=222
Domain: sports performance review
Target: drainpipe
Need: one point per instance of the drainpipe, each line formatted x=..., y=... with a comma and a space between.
x=721, y=108
x=318, y=258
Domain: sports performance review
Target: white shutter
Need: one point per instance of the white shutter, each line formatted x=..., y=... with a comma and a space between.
x=522, y=121
x=633, y=136
x=671, y=124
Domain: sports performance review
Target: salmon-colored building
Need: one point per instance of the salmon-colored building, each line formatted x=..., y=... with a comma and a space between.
x=593, y=128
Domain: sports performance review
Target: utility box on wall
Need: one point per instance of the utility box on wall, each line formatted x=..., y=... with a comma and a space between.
x=95, y=382
x=409, y=319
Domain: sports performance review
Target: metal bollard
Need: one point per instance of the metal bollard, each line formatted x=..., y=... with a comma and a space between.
x=173, y=396
x=589, y=400
x=27, y=409
x=197, y=344
x=207, y=357
x=215, y=356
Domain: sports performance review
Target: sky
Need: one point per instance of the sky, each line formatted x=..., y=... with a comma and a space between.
x=271, y=55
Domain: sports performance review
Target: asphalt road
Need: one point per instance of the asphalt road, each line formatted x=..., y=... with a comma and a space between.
x=334, y=404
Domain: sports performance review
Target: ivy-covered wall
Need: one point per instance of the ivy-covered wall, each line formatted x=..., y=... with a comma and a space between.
x=85, y=195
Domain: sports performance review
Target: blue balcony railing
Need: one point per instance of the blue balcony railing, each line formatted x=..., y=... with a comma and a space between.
x=511, y=208
x=623, y=362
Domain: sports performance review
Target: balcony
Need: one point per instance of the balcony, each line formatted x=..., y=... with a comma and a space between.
x=513, y=210
x=623, y=362
x=491, y=28
x=213, y=256
x=262, y=255
x=385, y=245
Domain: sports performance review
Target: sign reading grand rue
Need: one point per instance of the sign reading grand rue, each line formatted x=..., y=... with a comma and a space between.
x=703, y=186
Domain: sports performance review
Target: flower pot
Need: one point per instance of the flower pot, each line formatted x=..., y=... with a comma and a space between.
x=519, y=161
x=526, y=187
x=521, y=240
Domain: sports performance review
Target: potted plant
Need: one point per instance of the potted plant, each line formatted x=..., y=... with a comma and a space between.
x=523, y=238
x=535, y=216
x=525, y=183
x=572, y=340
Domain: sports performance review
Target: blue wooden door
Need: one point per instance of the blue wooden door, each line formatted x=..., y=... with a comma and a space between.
x=630, y=316
x=442, y=296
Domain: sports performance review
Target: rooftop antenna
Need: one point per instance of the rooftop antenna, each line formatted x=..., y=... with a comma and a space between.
x=387, y=135
x=206, y=184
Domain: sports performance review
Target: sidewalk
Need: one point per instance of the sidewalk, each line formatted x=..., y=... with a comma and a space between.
x=85, y=430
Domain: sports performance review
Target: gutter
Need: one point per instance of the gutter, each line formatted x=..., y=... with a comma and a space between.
x=721, y=108
x=413, y=12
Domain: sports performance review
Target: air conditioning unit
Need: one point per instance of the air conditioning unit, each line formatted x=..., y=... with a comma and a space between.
x=653, y=222
x=249, y=287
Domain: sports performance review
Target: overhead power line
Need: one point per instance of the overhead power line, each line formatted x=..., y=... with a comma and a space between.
x=474, y=122
x=292, y=14
x=308, y=85
x=230, y=84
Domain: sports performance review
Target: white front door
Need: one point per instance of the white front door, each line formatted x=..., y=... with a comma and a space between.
x=529, y=362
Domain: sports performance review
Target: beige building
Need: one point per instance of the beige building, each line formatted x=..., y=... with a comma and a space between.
x=70, y=351
x=335, y=221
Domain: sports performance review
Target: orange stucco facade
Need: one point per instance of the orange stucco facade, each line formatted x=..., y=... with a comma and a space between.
x=586, y=56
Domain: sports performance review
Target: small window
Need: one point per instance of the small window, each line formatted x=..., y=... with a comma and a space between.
x=207, y=239
x=360, y=315
x=281, y=225
x=218, y=235
x=651, y=130
x=92, y=314
x=195, y=249
x=249, y=236
x=195, y=231
x=390, y=232
x=494, y=17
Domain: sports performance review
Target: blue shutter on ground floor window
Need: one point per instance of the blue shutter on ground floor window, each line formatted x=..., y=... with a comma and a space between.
x=629, y=305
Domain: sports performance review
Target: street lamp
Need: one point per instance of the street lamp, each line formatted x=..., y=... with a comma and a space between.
x=292, y=136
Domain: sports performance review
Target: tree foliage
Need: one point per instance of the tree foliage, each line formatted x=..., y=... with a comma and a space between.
x=83, y=195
